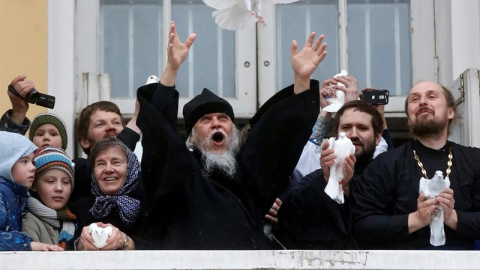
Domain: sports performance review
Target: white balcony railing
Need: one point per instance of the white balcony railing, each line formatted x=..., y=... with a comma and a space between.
x=252, y=260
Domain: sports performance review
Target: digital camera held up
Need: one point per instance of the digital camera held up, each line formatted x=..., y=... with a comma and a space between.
x=36, y=97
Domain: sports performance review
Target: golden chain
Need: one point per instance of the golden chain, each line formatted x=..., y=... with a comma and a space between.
x=449, y=164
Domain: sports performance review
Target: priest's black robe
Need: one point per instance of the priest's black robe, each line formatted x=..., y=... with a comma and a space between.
x=388, y=190
x=193, y=211
x=310, y=219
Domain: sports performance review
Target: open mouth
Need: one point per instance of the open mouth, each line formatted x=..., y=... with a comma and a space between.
x=218, y=137
x=109, y=179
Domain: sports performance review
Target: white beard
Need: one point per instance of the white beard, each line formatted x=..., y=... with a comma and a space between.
x=225, y=162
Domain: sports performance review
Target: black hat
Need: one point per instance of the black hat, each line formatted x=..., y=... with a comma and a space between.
x=205, y=103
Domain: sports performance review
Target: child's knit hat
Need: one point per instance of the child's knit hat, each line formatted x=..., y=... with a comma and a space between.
x=13, y=147
x=53, y=158
x=49, y=118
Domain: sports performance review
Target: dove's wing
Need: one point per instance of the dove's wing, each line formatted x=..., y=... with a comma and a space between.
x=283, y=1
x=234, y=18
x=256, y=6
x=423, y=184
x=447, y=182
x=221, y=4
x=331, y=142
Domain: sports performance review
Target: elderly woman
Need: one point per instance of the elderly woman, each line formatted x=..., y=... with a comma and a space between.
x=117, y=197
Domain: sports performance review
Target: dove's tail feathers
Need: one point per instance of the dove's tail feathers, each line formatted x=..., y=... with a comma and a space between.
x=233, y=18
x=333, y=108
x=283, y=1
x=437, y=231
x=220, y=4
x=334, y=191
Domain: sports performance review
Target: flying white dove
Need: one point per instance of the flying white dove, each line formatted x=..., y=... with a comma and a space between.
x=237, y=14
x=431, y=188
x=343, y=147
x=337, y=102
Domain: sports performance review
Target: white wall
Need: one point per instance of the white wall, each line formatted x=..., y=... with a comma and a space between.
x=61, y=62
x=465, y=35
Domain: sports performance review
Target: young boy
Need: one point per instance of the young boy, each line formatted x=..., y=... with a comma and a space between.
x=17, y=173
x=48, y=129
x=49, y=220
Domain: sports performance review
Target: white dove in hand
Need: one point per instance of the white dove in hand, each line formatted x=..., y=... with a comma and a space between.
x=237, y=14
x=431, y=188
x=100, y=235
x=343, y=147
x=337, y=102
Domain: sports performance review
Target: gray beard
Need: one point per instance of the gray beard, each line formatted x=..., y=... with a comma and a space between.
x=225, y=163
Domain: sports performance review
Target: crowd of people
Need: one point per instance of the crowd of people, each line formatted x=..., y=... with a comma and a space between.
x=221, y=188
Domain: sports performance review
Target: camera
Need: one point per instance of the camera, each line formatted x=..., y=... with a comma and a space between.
x=376, y=97
x=35, y=97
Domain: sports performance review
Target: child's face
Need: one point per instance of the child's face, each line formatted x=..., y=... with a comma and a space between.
x=47, y=135
x=110, y=169
x=23, y=171
x=54, y=188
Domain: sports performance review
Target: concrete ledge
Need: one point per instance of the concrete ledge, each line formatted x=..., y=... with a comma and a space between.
x=254, y=260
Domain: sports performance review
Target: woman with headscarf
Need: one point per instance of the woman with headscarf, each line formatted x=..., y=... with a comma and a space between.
x=116, y=201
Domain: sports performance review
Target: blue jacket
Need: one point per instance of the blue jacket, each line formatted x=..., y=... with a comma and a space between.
x=13, y=199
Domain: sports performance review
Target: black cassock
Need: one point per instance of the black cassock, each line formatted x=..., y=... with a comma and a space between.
x=310, y=219
x=191, y=211
x=388, y=192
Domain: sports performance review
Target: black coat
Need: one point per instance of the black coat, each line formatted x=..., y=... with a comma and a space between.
x=193, y=211
x=388, y=190
x=310, y=219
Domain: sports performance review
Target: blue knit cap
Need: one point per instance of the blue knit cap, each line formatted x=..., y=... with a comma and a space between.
x=53, y=158
x=13, y=147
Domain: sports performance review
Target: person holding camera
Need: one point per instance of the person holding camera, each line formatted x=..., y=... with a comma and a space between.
x=14, y=119
x=308, y=161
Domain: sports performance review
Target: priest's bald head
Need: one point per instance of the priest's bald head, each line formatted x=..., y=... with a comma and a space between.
x=209, y=121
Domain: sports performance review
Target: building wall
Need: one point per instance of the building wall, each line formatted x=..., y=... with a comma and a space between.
x=38, y=39
x=23, y=46
x=465, y=35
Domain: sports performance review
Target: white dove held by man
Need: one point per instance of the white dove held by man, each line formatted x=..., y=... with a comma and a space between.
x=337, y=102
x=343, y=147
x=432, y=188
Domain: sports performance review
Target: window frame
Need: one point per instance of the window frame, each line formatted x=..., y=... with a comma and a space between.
x=422, y=48
x=245, y=105
x=88, y=58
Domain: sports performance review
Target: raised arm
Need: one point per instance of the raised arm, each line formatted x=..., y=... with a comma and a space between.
x=306, y=61
x=14, y=120
x=177, y=53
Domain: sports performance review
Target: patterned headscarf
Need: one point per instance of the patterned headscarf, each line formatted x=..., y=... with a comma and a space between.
x=127, y=207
